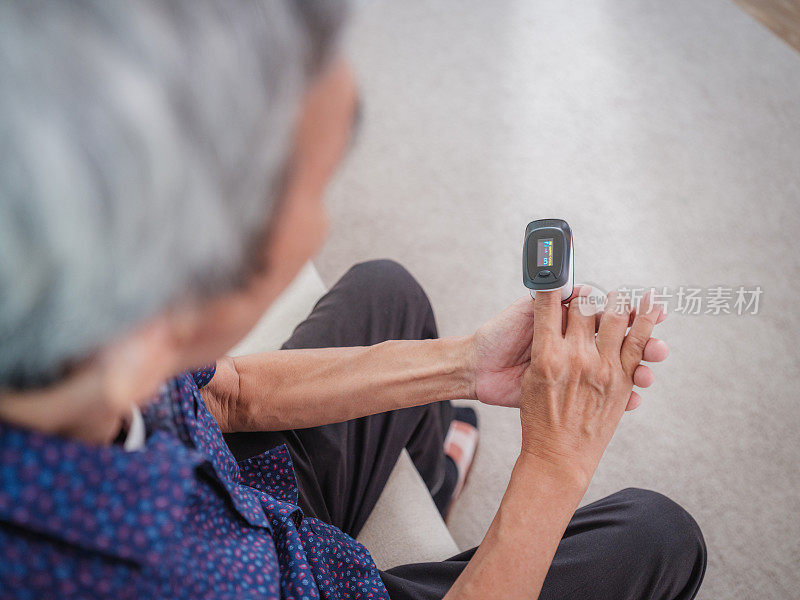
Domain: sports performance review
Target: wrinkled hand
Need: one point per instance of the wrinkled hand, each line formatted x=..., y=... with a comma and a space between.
x=579, y=383
x=503, y=353
x=502, y=349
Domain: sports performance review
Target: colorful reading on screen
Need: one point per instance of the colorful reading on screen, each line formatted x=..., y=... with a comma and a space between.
x=544, y=254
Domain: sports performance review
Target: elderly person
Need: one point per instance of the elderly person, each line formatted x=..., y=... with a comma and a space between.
x=163, y=168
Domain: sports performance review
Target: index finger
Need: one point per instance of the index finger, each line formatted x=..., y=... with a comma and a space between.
x=547, y=315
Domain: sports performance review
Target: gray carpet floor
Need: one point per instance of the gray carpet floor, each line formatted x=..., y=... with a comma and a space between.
x=668, y=135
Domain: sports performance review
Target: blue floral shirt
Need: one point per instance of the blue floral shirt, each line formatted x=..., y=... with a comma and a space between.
x=179, y=518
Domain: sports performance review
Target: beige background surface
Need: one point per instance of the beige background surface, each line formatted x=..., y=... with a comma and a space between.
x=668, y=135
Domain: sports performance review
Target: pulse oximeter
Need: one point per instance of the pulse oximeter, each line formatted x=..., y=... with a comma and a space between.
x=547, y=257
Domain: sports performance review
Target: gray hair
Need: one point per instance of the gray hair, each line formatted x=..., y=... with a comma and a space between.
x=142, y=144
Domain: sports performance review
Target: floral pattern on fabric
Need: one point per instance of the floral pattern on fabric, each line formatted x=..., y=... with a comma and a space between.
x=178, y=519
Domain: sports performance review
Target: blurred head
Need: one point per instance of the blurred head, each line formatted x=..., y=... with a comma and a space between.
x=162, y=171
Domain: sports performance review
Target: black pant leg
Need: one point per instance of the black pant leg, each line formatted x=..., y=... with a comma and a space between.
x=342, y=468
x=632, y=545
x=373, y=302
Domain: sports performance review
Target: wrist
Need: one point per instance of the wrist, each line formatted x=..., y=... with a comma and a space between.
x=469, y=358
x=539, y=494
x=560, y=471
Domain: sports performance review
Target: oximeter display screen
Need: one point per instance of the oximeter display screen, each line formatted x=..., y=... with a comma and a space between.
x=544, y=252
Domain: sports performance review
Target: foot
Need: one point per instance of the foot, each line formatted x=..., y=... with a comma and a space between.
x=460, y=445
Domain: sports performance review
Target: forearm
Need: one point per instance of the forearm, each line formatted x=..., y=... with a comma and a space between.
x=515, y=555
x=291, y=389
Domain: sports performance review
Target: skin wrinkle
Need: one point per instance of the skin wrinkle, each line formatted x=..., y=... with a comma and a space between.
x=354, y=381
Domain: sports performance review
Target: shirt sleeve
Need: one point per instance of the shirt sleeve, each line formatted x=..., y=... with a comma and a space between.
x=203, y=375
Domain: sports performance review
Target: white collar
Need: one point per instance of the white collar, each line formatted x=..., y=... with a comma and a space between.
x=135, y=438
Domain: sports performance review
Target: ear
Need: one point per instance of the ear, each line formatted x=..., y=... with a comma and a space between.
x=93, y=400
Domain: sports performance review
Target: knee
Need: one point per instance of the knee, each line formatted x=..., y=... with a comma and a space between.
x=389, y=281
x=382, y=272
x=665, y=534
